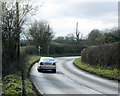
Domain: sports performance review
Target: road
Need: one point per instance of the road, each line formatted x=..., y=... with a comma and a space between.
x=70, y=80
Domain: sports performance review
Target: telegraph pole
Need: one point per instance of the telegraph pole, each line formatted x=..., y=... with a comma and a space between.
x=18, y=32
x=48, y=46
x=77, y=34
x=76, y=28
x=18, y=51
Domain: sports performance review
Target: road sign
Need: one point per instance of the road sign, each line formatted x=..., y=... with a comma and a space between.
x=39, y=48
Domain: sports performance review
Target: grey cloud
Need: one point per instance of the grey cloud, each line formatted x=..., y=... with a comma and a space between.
x=88, y=10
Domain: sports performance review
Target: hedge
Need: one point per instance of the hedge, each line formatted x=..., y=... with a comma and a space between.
x=103, y=56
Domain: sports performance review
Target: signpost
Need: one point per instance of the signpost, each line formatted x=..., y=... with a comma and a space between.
x=39, y=49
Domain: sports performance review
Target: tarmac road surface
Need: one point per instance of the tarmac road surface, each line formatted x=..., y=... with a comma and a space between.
x=70, y=80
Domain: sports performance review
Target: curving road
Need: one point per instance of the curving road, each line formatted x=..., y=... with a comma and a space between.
x=70, y=80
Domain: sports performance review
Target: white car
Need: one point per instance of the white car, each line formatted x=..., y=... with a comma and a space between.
x=47, y=63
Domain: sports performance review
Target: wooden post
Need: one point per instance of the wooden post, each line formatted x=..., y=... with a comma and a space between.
x=48, y=46
x=18, y=32
x=77, y=34
x=23, y=83
x=18, y=51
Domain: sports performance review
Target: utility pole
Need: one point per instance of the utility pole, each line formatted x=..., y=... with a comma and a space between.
x=18, y=51
x=76, y=28
x=18, y=32
x=77, y=34
x=48, y=46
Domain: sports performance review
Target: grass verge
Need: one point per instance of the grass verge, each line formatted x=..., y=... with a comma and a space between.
x=0, y=84
x=12, y=84
x=109, y=74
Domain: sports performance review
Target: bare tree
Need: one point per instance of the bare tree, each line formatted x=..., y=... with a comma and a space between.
x=14, y=15
x=70, y=39
x=41, y=34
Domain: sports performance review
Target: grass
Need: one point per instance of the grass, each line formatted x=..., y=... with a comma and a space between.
x=0, y=84
x=31, y=59
x=12, y=84
x=109, y=74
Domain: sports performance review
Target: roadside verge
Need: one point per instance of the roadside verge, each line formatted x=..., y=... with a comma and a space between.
x=12, y=83
x=108, y=74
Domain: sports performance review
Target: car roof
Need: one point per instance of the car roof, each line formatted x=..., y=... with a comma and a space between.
x=46, y=58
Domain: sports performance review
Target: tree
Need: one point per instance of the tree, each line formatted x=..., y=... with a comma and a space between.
x=41, y=35
x=93, y=35
x=14, y=16
x=59, y=39
x=0, y=42
x=109, y=36
x=70, y=39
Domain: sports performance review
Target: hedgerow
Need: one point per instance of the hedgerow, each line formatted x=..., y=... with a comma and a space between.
x=106, y=56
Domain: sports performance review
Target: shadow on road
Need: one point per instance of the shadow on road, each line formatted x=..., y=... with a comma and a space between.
x=50, y=72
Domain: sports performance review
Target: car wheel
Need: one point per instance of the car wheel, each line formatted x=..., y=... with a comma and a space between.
x=39, y=70
x=54, y=70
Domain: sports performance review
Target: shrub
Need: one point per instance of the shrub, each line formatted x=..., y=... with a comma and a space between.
x=103, y=55
x=57, y=48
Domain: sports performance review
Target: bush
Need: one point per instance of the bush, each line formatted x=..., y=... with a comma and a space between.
x=105, y=55
x=57, y=48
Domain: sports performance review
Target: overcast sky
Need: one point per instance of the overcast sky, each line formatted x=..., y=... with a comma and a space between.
x=62, y=15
